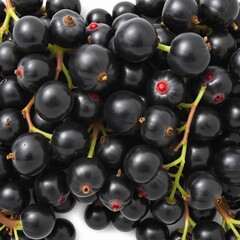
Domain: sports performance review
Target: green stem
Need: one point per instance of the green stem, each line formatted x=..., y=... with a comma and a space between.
x=57, y=49
x=230, y=224
x=185, y=230
x=13, y=14
x=192, y=222
x=90, y=129
x=92, y=148
x=15, y=234
x=173, y=164
x=171, y=197
x=182, y=128
x=185, y=105
x=103, y=131
x=163, y=47
x=181, y=190
x=36, y=130
x=2, y=227
x=234, y=221
x=5, y=26
x=203, y=28
x=67, y=75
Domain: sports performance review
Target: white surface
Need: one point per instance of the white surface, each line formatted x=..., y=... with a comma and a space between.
x=76, y=216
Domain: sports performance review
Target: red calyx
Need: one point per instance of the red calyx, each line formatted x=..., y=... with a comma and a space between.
x=209, y=77
x=19, y=72
x=162, y=87
x=93, y=26
x=93, y=96
x=218, y=98
x=116, y=205
x=142, y=193
x=62, y=200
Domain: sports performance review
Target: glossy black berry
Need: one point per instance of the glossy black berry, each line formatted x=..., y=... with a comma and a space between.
x=99, y=15
x=30, y=153
x=205, y=215
x=14, y=197
x=155, y=134
x=30, y=35
x=54, y=101
x=93, y=68
x=204, y=188
x=25, y=7
x=132, y=43
x=191, y=60
x=85, y=177
x=123, y=7
x=171, y=15
x=53, y=6
x=208, y=230
x=33, y=70
x=69, y=141
x=226, y=165
x=63, y=229
x=50, y=187
x=152, y=8
x=166, y=88
x=67, y=28
x=12, y=125
x=38, y=221
x=123, y=224
x=152, y=229
x=142, y=163
x=166, y=212
x=116, y=193
x=6, y=167
x=123, y=107
x=97, y=216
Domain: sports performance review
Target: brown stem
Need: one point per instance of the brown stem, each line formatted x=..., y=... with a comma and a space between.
x=11, y=156
x=102, y=77
x=187, y=129
x=10, y=224
x=222, y=208
x=26, y=112
x=9, y=4
x=234, y=26
x=187, y=214
x=96, y=128
x=103, y=140
x=195, y=20
x=89, y=39
x=119, y=173
x=59, y=57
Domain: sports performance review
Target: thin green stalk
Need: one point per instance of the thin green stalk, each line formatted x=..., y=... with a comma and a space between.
x=13, y=14
x=15, y=234
x=182, y=128
x=185, y=105
x=103, y=131
x=36, y=130
x=171, y=198
x=230, y=224
x=163, y=47
x=173, y=164
x=92, y=148
x=2, y=227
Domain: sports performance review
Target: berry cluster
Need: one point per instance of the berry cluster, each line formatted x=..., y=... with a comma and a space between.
x=136, y=114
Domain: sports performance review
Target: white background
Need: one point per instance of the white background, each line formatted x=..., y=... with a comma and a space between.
x=76, y=216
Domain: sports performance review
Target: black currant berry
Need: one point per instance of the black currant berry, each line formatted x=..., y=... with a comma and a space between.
x=33, y=70
x=152, y=8
x=166, y=88
x=50, y=187
x=85, y=176
x=208, y=230
x=97, y=216
x=67, y=28
x=38, y=221
x=27, y=7
x=63, y=229
x=203, y=188
x=122, y=111
x=117, y=192
x=93, y=68
x=14, y=197
x=190, y=60
x=133, y=44
x=123, y=7
x=226, y=165
x=99, y=15
x=142, y=163
x=54, y=101
x=152, y=229
x=123, y=224
x=158, y=127
x=30, y=35
x=30, y=153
